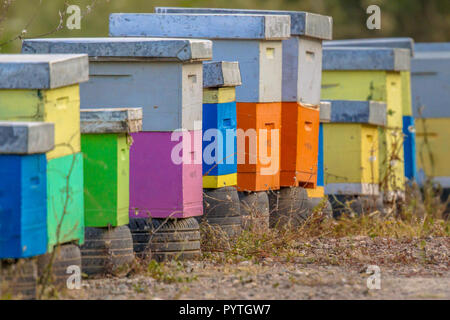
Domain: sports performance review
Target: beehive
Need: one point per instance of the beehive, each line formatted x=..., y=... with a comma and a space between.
x=432, y=136
x=302, y=52
x=325, y=117
x=365, y=73
x=125, y=68
x=408, y=121
x=219, y=123
x=258, y=160
x=23, y=188
x=351, y=147
x=65, y=201
x=301, y=80
x=105, y=143
x=171, y=186
x=46, y=87
x=164, y=78
x=252, y=40
x=430, y=77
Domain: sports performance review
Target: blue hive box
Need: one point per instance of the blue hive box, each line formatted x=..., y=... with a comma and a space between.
x=219, y=123
x=409, y=147
x=23, y=188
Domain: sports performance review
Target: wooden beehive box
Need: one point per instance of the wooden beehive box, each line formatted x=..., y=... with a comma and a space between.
x=253, y=41
x=23, y=187
x=408, y=120
x=105, y=143
x=432, y=138
x=370, y=73
x=164, y=78
x=302, y=52
x=171, y=177
x=161, y=76
x=220, y=80
x=45, y=88
x=351, y=147
x=429, y=77
x=325, y=117
x=260, y=125
x=65, y=201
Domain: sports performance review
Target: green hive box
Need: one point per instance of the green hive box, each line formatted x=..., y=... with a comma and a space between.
x=65, y=207
x=106, y=179
x=106, y=152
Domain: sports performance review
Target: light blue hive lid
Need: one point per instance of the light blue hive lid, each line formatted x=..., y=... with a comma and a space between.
x=365, y=58
x=42, y=71
x=302, y=23
x=26, y=137
x=221, y=74
x=351, y=111
x=210, y=26
x=402, y=43
x=125, y=48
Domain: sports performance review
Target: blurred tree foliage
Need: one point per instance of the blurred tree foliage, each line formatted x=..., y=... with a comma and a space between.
x=423, y=20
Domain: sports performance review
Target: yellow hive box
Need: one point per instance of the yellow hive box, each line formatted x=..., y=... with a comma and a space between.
x=366, y=85
x=220, y=181
x=391, y=159
x=60, y=106
x=219, y=95
x=406, y=93
x=432, y=148
x=45, y=87
x=350, y=158
x=378, y=86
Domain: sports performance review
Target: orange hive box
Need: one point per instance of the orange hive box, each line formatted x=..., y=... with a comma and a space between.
x=299, y=144
x=261, y=170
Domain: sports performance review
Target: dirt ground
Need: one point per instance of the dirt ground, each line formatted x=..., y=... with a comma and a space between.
x=319, y=269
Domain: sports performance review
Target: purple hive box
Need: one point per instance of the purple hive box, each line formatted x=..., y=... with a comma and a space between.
x=160, y=188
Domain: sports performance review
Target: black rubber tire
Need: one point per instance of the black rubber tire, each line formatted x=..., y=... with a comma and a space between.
x=221, y=202
x=345, y=204
x=106, y=250
x=327, y=210
x=18, y=279
x=254, y=210
x=221, y=208
x=66, y=255
x=288, y=206
x=166, y=239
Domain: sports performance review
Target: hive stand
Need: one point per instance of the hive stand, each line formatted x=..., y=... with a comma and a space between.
x=255, y=42
x=23, y=187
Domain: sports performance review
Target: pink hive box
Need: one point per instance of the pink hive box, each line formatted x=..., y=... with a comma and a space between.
x=160, y=188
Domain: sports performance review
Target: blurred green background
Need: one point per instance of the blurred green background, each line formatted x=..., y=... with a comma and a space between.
x=424, y=20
